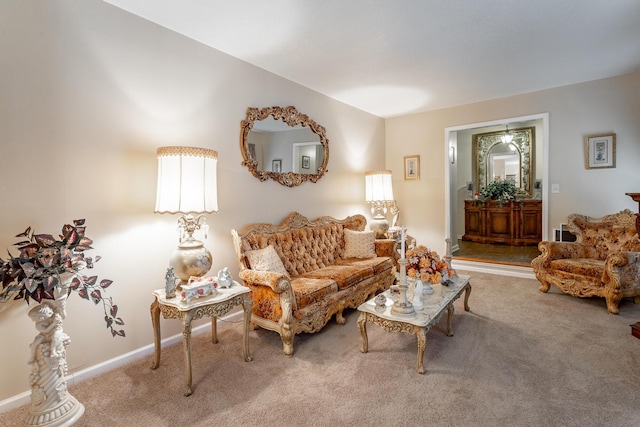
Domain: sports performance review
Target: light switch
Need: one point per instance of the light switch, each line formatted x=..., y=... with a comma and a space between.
x=555, y=188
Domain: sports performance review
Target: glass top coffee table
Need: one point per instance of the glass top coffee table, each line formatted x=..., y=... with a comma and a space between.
x=418, y=323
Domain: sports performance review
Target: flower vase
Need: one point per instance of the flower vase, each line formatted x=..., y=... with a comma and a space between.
x=427, y=289
x=51, y=403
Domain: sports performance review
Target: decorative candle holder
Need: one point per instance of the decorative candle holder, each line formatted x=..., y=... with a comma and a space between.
x=403, y=307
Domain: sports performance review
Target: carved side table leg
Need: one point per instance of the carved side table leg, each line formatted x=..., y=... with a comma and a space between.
x=247, y=307
x=186, y=344
x=155, y=321
x=362, y=326
x=467, y=292
x=214, y=329
x=421, y=334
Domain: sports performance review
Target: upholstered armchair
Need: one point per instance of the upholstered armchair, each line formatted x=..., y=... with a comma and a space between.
x=604, y=261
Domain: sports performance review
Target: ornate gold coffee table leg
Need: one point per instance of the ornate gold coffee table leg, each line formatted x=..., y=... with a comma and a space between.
x=450, y=311
x=467, y=292
x=362, y=326
x=421, y=334
x=155, y=321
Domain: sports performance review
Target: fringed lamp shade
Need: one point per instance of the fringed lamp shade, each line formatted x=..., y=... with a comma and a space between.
x=379, y=192
x=187, y=180
x=378, y=186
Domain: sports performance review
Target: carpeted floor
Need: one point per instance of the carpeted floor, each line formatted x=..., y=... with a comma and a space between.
x=518, y=358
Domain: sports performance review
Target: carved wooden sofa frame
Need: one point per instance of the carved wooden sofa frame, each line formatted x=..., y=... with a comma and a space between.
x=604, y=261
x=311, y=252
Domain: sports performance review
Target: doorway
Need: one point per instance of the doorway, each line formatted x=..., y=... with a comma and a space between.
x=459, y=186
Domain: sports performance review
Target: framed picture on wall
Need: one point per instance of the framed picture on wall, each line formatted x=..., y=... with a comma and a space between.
x=411, y=167
x=276, y=165
x=600, y=151
x=306, y=162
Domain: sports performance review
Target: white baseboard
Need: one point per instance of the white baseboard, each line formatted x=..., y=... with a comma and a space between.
x=25, y=397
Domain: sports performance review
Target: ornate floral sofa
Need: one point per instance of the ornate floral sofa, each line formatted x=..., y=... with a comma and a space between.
x=302, y=272
x=604, y=261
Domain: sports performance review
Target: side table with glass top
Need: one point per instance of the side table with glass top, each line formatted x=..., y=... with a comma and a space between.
x=214, y=305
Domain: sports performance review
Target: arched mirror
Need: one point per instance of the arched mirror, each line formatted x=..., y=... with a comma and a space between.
x=497, y=159
x=503, y=163
x=284, y=145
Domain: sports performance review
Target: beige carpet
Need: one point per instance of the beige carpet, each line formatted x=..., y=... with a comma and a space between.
x=519, y=358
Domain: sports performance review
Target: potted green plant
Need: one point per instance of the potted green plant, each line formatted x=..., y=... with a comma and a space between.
x=502, y=191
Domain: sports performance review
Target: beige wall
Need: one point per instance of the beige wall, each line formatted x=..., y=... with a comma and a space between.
x=603, y=106
x=88, y=94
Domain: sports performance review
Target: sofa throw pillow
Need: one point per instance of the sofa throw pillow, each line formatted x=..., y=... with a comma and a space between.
x=266, y=259
x=359, y=244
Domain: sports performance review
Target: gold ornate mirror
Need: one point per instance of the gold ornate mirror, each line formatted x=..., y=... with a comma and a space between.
x=496, y=159
x=284, y=145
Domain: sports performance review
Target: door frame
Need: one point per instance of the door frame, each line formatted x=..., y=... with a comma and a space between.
x=450, y=140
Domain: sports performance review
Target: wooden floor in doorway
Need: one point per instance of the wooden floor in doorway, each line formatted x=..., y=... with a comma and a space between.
x=496, y=253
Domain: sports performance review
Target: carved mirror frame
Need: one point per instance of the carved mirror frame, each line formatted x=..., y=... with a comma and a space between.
x=292, y=117
x=523, y=139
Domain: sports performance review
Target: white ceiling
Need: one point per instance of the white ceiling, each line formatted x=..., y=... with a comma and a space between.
x=397, y=57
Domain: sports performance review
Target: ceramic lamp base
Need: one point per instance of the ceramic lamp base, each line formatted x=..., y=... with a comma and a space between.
x=380, y=226
x=190, y=258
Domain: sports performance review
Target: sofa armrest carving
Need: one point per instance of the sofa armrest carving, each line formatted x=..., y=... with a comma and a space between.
x=621, y=270
x=276, y=281
x=272, y=294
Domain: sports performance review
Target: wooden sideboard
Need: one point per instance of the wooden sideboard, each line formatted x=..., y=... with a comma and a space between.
x=515, y=223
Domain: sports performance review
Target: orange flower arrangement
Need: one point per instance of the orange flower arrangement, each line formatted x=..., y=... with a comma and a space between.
x=428, y=265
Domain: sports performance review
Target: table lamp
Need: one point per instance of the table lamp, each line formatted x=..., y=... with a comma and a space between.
x=187, y=184
x=379, y=192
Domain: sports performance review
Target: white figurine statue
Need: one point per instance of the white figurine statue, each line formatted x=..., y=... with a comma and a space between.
x=48, y=323
x=170, y=283
x=224, y=278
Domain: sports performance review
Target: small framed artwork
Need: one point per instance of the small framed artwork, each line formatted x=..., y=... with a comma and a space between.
x=306, y=162
x=600, y=151
x=276, y=165
x=411, y=167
